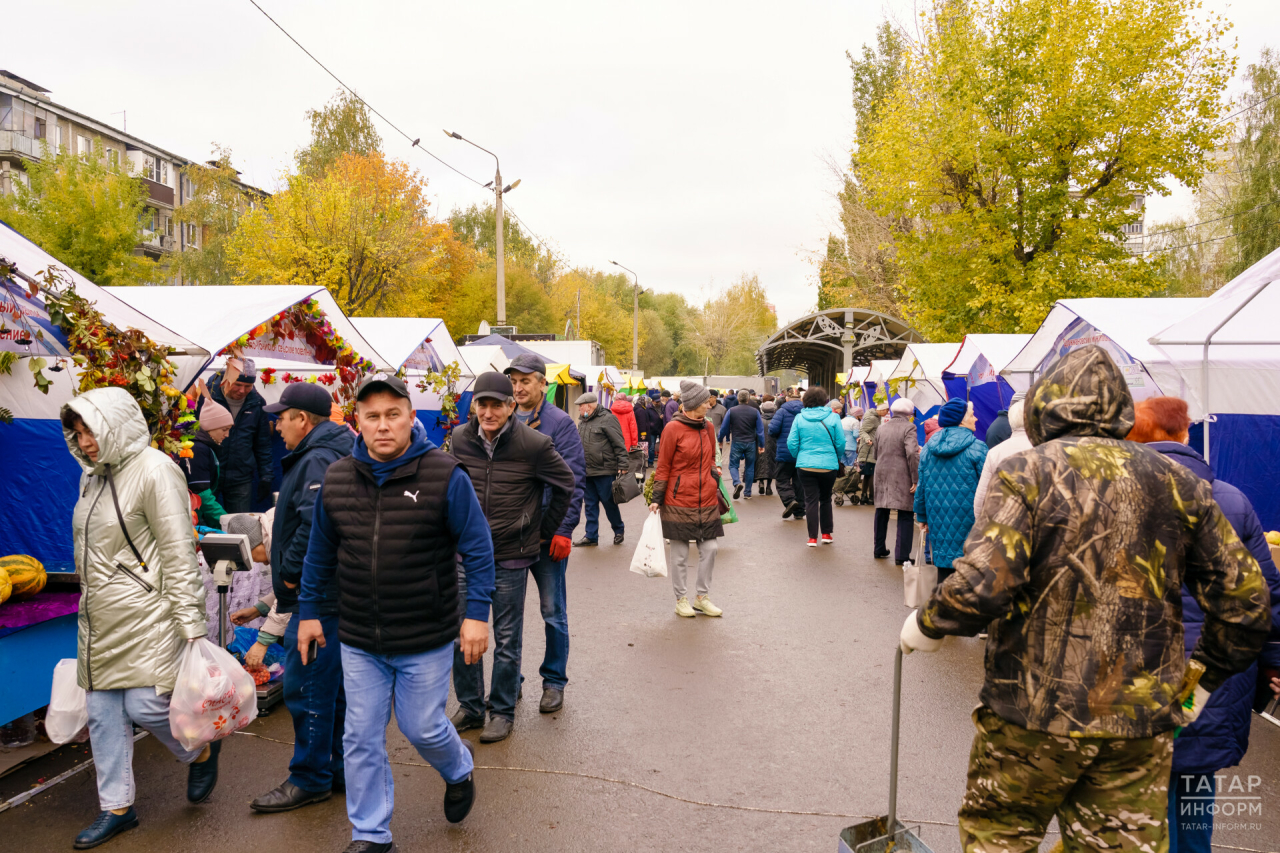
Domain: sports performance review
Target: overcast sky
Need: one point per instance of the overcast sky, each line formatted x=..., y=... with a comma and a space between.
x=686, y=140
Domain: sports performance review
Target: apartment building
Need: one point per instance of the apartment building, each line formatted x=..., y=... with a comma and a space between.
x=29, y=118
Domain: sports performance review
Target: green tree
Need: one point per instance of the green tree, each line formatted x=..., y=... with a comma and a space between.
x=477, y=226
x=85, y=211
x=216, y=204
x=730, y=326
x=1255, y=218
x=1016, y=141
x=342, y=126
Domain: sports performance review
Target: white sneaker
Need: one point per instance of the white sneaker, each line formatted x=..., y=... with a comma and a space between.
x=704, y=604
x=683, y=608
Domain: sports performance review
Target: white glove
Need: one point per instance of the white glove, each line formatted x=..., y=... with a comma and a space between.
x=913, y=639
x=1199, y=698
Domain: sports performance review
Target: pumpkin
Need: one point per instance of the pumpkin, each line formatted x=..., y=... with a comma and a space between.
x=26, y=575
x=5, y=587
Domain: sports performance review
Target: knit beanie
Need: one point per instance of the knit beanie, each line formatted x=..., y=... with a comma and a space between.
x=214, y=416
x=952, y=412
x=692, y=395
x=768, y=407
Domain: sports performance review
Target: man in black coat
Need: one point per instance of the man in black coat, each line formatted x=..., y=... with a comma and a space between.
x=510, y=466
x=606, y=455
x=247, y=450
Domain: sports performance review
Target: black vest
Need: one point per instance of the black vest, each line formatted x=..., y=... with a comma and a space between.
x=397, y=579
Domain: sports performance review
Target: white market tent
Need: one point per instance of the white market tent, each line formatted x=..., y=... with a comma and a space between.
x=1120, y=326
x=988, y=354
x=918, y=374
x=1228, y=351
x=415, y=343
x=216, y=316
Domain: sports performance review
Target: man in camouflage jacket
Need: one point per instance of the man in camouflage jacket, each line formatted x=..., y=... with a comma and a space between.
x=1077, y=564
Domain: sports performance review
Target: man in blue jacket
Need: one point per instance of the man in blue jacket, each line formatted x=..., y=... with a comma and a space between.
x=529, y=381
x=790, y=492
x=745, y=429
x=247, y=449
x=313, y=693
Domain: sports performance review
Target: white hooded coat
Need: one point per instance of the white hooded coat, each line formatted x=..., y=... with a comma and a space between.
x=1014, y=444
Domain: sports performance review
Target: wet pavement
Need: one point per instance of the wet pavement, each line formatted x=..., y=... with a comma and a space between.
x=782, y=706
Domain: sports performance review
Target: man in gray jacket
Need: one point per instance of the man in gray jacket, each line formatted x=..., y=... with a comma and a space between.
x=606, y=454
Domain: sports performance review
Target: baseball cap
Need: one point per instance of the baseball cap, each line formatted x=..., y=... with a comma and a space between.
x=304, y=396
x=527, y=362
x=492, y=385
x=382, y=382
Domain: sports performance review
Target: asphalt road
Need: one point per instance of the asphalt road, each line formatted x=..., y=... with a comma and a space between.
x=781, y=708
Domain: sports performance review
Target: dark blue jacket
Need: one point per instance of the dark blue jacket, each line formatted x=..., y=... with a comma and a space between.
x=780, y=427
x=1220, y=736
x=249, y=444
x=304, y=470
x=742, y=423
x=563, y=431
x=729, y=401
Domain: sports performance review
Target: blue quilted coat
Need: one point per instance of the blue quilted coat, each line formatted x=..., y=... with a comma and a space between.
x=950, y=467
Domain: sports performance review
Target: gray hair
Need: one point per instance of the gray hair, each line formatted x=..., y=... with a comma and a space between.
x=744, y=396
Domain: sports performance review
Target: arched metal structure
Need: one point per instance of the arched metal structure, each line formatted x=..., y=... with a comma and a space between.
x=834, y=341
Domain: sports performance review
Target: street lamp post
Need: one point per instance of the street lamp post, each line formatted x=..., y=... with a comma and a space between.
x=498, y=191
x=635, y=319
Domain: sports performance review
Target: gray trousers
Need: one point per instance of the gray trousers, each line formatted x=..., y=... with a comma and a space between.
x=680, y=565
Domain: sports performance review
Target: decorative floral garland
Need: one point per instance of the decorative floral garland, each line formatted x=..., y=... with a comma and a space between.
x=305, y=321
x=444, y=383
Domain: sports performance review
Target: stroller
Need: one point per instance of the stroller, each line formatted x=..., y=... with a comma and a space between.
x=847, y=487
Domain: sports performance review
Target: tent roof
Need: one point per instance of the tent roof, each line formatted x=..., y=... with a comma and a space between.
x=1254, y=288
x=398, y=338
x=924, y=363
x=509, y=349
x=999, y=350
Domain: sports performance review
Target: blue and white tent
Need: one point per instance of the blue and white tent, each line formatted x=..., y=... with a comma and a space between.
x=975, y=374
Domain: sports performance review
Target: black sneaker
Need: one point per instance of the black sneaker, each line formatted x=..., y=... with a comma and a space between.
x=202, y=777
x=792, y=506
x=617, y=539
x=460, y=796
x=737, y=491
x=106, y=827
x=363, y=846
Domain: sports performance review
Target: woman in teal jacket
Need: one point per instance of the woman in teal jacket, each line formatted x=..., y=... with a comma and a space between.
x=816, y=442
x=950, y=468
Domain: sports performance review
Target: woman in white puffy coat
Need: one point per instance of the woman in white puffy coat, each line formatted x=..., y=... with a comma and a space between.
x=141, y=597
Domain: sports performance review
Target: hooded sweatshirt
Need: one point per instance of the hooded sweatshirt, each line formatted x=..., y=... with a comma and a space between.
x=1078, y=561
x=1011, y=446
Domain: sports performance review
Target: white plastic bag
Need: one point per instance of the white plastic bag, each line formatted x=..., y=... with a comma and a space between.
x=650, y=558
x=68, y=712
x=918, y=581
x=213, y=697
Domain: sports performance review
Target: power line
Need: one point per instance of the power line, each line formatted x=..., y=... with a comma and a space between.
x=1214, y=239
x=530, y=231
x=1208, y=221
x=1237, y=112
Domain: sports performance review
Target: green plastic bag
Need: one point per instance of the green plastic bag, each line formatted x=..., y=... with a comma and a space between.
x=731, y=516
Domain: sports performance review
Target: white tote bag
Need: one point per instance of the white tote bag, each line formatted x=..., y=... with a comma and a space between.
x=918, y=580
x=650, y=558
x=68, y=710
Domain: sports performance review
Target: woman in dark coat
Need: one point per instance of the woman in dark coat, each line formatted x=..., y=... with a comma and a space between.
x=897, y=454
x=686, y=490
x=1220, y=735
x=765, y=462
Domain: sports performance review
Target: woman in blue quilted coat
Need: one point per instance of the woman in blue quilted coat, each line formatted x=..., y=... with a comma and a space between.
x=950, y=467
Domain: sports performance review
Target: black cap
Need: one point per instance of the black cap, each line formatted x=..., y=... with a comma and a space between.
x=304, y=396
x=382, y=382
x=493, y=385
x=527, y=362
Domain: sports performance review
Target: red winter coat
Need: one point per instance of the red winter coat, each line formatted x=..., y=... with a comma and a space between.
x=686, y=485
x=625, y=413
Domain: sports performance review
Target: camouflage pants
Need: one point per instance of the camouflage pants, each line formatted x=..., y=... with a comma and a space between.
x=1108, y=793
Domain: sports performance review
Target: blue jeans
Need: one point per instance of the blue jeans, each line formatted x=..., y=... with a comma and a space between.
x=553, y=601
x=314, y=696
x=743, y=451
x=653, y=450
x=112, y=714
x=418, y=685
x=596, y=491
x=1190, y=820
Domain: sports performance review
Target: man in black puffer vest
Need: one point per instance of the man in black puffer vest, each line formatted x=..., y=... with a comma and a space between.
x=510, y=465
x=391, y=522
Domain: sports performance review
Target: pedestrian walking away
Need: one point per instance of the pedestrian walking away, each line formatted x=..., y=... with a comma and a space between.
x=897, y=458
x=1086, y=676
x=867, y=432
x=1000, y=430
x=390, y=523
x=1219, y=737
x=950, y=469
x=744, y=428
x=511, y=466
x=605, y=451
x=816, y=441
x=529, y=384
x=686, y=492
x=245, y=455
x=790, y=489
x=313, y=694
x=141, y=598
x=767, y=460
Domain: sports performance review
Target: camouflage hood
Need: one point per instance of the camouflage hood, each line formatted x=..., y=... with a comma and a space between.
x=1081, y=394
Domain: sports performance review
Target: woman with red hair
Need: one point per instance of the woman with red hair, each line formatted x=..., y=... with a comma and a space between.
x=1220, y=735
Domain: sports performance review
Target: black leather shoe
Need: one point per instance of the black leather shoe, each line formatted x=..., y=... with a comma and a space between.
x=552, y=700
x=459, y=797
x=203, y=776
x=880, y=555
x=106, y=827
x=370, y=847
x=498, y=728
x=792, y=506
x=584, y=542
x=462, y=721
x=617, y=538
x=287, y=797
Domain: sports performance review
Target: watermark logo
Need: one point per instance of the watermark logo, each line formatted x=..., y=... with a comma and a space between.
x=1218, y=796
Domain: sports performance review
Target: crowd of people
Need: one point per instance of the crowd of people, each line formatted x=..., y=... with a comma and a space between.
x=1126, y=591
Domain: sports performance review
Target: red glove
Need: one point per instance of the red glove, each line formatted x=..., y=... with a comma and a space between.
x=560, y=547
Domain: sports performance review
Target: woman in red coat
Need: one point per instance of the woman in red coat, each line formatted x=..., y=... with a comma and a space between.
x=686, y=490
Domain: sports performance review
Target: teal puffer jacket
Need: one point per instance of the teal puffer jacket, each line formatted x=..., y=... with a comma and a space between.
x=950, y=467
x=816, y=439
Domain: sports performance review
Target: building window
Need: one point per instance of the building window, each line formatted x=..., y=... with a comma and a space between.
x=191, y=233
x=113, y=157
x=164, y=172
x=40, y=128
x=84, y=145
x=57, y=135
x=6, y=112
x=168, y=226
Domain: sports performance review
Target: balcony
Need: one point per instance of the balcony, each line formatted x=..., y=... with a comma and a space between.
x=153, y=245
x=13, y=142
x=158, y=193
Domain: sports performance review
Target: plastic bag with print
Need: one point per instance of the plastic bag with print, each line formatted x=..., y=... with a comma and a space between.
x=213, y=696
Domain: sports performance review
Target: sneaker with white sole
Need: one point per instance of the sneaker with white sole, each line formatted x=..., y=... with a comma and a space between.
x=827, y=540
x=704, y=605
x=813, y=543
x=683, y=608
